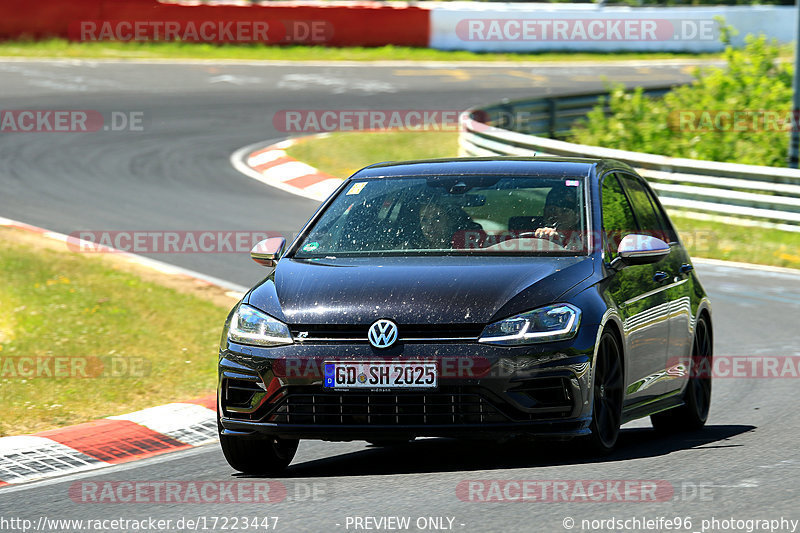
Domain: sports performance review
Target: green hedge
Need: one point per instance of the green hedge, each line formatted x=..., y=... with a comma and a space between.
x=740, y=113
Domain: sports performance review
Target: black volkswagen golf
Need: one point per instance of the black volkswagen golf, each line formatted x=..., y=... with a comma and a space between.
x=469, y=298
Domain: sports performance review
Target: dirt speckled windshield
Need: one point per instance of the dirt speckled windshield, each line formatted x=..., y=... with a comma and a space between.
x=464, y=214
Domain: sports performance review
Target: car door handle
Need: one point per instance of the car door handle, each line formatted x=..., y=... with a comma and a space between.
x=686, y=268
x=660, y=277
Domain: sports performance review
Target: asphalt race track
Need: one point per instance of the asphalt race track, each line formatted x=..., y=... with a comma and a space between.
x=175, y=175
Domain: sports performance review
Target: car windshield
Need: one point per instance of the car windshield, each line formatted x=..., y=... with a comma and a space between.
x=436, y=215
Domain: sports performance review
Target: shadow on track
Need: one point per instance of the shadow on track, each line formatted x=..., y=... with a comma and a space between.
x=449, y=455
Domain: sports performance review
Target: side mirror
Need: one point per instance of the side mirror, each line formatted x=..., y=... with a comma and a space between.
x=637, y=249
x=267, y=252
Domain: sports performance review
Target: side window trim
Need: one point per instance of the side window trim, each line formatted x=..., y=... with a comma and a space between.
x=612, y=174
x=662, y=213
x=604, y=234
x=622, y=186
x=658, y=209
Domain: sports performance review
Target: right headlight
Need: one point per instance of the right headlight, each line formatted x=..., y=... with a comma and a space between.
x=550, y=323
x=251, y=326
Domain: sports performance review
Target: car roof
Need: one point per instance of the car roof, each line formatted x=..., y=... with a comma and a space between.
x=569, y=166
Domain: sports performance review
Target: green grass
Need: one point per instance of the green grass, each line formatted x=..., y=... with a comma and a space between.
x=341, y=154
x=61, y=304
x=729, y=242
x=60, y=48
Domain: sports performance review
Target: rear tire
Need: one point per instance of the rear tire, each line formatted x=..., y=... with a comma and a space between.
x=258, y=455
x=607, y=388
x=697, y=396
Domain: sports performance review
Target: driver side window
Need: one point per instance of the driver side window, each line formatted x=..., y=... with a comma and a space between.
x=618, y=219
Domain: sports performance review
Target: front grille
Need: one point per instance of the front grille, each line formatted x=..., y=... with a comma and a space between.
x=344, y=332
x=390, y=409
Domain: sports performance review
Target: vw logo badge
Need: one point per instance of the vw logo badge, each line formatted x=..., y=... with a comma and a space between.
x=382, y=333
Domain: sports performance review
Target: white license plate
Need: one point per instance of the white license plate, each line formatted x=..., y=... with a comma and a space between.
x=380, y=375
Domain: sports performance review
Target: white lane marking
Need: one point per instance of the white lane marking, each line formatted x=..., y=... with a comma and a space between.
x=8, y=222
x=28, y=457
x=234, y=80
x=265, y=157
x=782, y=464
x=744, y=484
x=288, y=171
x=239, y=157
x=188, y=423
x=61, y=81
x=111, y=468
x=59, y=86
x=337, y=85
x=288, y=143
x=733, y=266
x=324, y=188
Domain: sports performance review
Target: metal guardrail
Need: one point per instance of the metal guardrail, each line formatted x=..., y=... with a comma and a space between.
x=745, y=194
x=552, y=116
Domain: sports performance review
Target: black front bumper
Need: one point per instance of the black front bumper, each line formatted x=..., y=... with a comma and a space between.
x=559, y=428
x=534, y=390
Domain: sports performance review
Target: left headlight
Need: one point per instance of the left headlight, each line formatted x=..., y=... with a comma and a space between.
x=250, y=326
x=546, y=324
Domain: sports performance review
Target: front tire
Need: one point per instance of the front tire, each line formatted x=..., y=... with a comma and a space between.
x=258, y=455
x=607, y=388
x=697, y=397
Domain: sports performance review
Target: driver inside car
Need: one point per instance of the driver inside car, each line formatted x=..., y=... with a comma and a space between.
x=561, y=218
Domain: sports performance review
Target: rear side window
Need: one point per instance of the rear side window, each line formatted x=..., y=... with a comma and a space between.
x=651, y=219
x=618, y=219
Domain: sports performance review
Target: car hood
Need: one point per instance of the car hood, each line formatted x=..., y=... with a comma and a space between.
x=424, y=290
